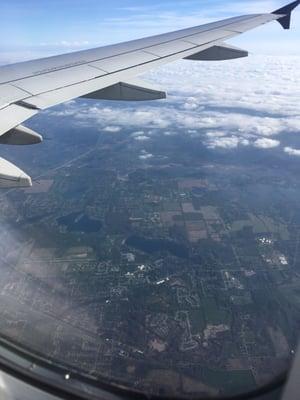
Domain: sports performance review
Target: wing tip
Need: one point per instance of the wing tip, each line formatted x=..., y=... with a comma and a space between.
x=286, y=12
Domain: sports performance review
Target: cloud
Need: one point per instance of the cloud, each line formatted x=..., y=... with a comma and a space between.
x=65, y=43
x=215, y=134
x=191, y=104
x=223, y=113
x=207, y=8
x=145, y=156
x=169, y=133
x=138, y=133
x=227, y=142
x=142, y=138
x=265, y=143
x=112, y=129
x=292, y=152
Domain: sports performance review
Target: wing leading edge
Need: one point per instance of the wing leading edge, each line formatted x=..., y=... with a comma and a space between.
x=110, y=73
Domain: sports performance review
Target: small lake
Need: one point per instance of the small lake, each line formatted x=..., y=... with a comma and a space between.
x=79, y=222
x=157, y=245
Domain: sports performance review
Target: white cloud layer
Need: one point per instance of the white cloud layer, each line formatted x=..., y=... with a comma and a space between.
x=292, y=152
x=142, y=138
x=112, y=129
x=265, y=143
x=245, y=102
x=227, y=142
x=145, y=156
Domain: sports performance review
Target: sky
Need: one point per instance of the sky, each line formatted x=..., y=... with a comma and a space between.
x=33, y=28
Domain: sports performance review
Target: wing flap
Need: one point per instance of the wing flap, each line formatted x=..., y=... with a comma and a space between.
x=219, y=53
x=134, y=90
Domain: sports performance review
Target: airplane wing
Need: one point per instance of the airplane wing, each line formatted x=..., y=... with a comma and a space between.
x=108, y=73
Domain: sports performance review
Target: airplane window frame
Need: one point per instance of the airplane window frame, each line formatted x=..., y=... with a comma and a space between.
x=51, y=378
x=67, y=382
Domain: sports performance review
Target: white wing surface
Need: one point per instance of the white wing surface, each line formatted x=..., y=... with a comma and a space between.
x=110, y=72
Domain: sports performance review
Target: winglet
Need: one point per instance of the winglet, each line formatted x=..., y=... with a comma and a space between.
x=286, y=12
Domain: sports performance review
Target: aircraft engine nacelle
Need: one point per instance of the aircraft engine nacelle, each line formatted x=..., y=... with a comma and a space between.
x=21, y=136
